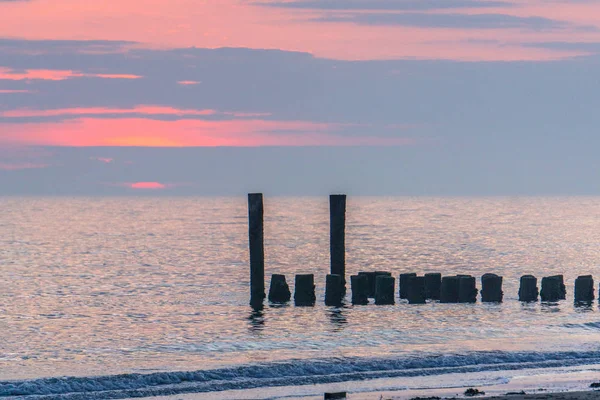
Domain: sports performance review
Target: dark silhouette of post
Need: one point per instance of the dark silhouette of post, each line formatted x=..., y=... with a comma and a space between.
x=528, y=290
x=449, y=289
x=360, y=289
x=416, y=290
x=337, y=236
x=551, y=288
x=584, y=289
x=333, y=290
x=563, y=288
x=467, y=289
x=304, y=291
x=384, y=289
x=279, y=291
x=371, y=279
x=491, y=288
x=433, y=282
x=404, y=284
x=257, y=250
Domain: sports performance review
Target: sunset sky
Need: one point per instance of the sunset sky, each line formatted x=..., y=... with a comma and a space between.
x=307, y=96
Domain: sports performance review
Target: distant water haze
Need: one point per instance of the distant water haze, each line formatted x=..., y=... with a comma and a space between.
x=420, y=169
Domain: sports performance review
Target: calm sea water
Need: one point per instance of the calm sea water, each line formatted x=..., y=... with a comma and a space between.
x=95, y=288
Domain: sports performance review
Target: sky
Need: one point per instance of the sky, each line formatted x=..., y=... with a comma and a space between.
x=299, y=97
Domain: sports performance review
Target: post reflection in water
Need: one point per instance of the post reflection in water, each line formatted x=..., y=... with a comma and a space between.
x=583, y=306
x=337, y=318
x=256, y=319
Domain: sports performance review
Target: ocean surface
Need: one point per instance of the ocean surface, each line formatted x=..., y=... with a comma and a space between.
x=129, y=297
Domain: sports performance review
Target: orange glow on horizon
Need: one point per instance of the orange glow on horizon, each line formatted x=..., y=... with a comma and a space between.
x=147, y=185
x=185, y=133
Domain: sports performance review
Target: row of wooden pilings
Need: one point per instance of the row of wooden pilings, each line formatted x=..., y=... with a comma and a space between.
x=380, y=285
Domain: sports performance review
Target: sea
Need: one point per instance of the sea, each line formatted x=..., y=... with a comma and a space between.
x=114, y=298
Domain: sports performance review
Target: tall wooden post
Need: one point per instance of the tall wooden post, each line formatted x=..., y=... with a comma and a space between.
x=257, y=250
x=337, y=235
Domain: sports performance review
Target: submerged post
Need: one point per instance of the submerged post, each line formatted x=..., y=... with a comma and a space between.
x=551, y=288
x=304, y=291
x=433, y=281
x=528, y=290
x=360, y=289
x=333, y=290
x=584, y=289
x=449, y=289
x=491, y=288
x=279, y=291
x=257, y=251
x=384, y=289
x=404, y=284
x=416, y=290
x=337, y=236
x=467, y=289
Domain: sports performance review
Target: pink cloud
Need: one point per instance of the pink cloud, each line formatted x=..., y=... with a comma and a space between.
x=187, y=83
x=8, y=91
x=55, y=75
x=186, y=133
x=226, y=23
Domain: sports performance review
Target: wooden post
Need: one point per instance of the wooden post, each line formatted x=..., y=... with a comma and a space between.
x=333, y=290
x=563, y=288
x=528, y=290
x=449, y=289
x=279, y=291
x=416, y=290
x=584, y=289
x=384, y=290
x=433, y=281
x=467, y=289
x=337, y=236
x=491, y=288
x=371, y=279
x=360, y=289
x=403, y=282
x=304, y=291
x=551, y=288
x=257, y=251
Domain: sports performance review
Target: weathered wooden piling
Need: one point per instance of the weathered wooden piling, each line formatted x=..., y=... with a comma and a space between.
x=528, y=290
x=491, y=288
x=337, y=235
x=416, y=290
x=334, y=293
x=304, y=293
x=563, y=288
x=371, y=278
x=257, y=251
x=433, y=283
x=449, y=289
x=360, y=289
x=551, y=288
x=584, y=289
x=279, y=291
x=403, y=282
x=384, y=289
x=467, y=289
